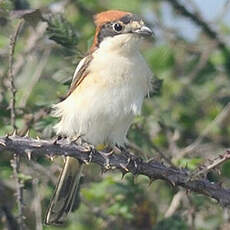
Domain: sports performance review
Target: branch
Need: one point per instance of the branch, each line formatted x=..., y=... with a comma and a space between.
x=125, y=162
x=197, y=19
x=13, y=90
x=15, y=162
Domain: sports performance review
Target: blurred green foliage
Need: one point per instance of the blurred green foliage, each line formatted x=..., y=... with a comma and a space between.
x=60, y=31
x=172, y=223
x=190, y=109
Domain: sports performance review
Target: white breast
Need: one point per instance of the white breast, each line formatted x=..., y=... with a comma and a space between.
x=102, y=107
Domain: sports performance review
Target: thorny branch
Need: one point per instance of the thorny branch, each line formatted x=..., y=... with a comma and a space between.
x=15, y=162
x=126, y=162
x=13, y=90
x=202, y=170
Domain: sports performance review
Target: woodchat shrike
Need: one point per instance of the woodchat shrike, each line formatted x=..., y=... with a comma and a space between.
x=107, y=91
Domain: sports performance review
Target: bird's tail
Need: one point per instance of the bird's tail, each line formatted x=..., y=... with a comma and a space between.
x=65, y=192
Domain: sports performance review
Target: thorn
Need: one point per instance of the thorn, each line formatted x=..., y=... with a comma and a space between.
x=135, y=164
x=90, y=156
x=37, y=145
x=218, y=172
x=27, y=133
x=124, y=167
x=151, y=181
x=118, y=149
x=110, y=153
x=28, y=153
x=38, y=138
x=51, y=157
x=14, y=133
x=105, y=156
x=86, y=162
x=56, y=140
x=2, y=143
x=103, y=170
x=172, y=182
x=123, y=174
x=87, y=148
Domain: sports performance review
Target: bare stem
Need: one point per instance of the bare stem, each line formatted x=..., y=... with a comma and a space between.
x=13, y=90
x=15, y=163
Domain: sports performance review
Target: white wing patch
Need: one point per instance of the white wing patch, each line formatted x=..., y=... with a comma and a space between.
x=79, y=66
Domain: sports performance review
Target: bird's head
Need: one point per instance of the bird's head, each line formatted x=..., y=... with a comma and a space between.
x=118, y=29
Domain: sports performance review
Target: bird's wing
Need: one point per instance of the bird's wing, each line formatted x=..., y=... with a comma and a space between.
x=80, y=73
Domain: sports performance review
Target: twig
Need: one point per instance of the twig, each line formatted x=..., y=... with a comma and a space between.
x=13, y=90
x=174, y=203
x=31, y=46
x=135, y=165
x=202, y=170
x=15, y=162
x=191, y=212
x=218, y=119
x=35, y=77
x=37, y=205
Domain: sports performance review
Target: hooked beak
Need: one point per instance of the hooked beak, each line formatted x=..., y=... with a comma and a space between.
x=143, y=31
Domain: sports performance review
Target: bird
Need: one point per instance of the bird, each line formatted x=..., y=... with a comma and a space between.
x=106, y=93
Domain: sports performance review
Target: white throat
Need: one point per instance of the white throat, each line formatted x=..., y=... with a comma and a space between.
x=123, y=43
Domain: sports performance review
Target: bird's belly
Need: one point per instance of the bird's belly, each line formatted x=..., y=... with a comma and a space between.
x=99, y=114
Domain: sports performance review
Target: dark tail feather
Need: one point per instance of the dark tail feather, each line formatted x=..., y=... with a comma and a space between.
x=65, y=192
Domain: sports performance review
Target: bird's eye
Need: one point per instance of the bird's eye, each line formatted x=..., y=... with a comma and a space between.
x=117, y=27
